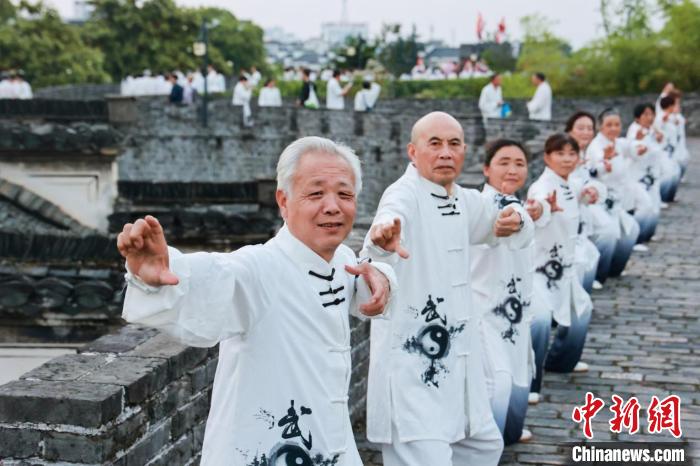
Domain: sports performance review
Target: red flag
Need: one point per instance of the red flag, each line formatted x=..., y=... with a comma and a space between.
x=480, y=24
x=501, y=32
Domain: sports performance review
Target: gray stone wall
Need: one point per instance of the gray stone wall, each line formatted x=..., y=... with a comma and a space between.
x=132, y=398
x=168, y=144
x=77, y=92
x=135, y=397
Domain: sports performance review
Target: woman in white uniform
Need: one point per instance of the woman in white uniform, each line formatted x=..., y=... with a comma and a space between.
x=670, y=168
x=597, y=232
x=501, y=281
x=555, y=250
x=645, y=167
x=609, y=164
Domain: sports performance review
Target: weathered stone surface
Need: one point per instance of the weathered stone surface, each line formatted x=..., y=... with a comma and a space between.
x=150, y=445
x=128, y=338
x=181, y=358
x=68, y=367
x=19, y=443
x=74, y=402
x=140, y=377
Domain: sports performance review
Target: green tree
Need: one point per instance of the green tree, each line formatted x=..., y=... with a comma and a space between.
x=398, y=54
x=233, y=40
x=354, y=54
x=682, y=33
x=135, y=35
x=542, y=51
x=49, y=51
x=499, y=57
x=7, y=10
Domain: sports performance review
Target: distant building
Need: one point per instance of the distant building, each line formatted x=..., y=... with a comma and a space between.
x=336, y=33
x=438, y=56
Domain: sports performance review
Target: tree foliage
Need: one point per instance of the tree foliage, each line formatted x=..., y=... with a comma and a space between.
x=355, y=53
x=398, y=54
x=49, y=51
x=233, y=40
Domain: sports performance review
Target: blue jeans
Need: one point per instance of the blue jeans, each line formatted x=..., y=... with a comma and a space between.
x=568, y=343
x=647, y=226
x=623, y=250
x=539, y=328
x=515, y=420
x=606, y=247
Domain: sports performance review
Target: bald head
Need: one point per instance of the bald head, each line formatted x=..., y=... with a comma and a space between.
x=432, y=122
x=437, y=148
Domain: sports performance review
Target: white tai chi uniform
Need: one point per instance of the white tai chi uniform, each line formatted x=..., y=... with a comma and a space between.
x=241, y=96
x=334, y=95
x=427, y=401
x=491, y=101
x=622, y=190
x=270, y=97
x=540, y=107
x=280, y=313
x=555, y=247
x=501, y=280
x=646, y=168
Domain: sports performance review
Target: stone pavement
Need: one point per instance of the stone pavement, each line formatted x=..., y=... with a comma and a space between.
x=644, y=340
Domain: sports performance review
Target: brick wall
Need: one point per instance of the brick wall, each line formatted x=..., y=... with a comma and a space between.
x=167, y=143
x=135, y=397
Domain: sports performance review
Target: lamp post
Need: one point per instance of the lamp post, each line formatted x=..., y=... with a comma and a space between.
x=201, y=49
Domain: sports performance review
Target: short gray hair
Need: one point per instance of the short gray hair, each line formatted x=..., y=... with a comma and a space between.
x=287, y=164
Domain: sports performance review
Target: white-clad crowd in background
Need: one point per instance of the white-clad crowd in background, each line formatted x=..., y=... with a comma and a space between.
x=14, y=86
x=472, y=67
x=158, y=84
x=492, y=105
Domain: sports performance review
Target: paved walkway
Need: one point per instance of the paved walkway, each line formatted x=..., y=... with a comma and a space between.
x=644, y=340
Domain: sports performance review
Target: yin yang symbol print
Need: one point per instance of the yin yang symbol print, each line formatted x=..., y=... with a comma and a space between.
x=511, y=309
x=554, y=268
x=432, y=342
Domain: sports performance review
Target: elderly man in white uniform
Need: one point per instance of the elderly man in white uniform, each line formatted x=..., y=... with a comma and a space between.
x=279, y=311
x=427, y=402
x=540, y=107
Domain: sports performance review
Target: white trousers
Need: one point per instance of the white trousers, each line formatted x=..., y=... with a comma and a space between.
x=482, y=448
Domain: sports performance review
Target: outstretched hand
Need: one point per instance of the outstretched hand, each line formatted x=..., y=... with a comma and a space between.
x=378, y=285
x=388, y=237
x=508, y=222
x=552, y=200
x=143, y=246
x=534, y=209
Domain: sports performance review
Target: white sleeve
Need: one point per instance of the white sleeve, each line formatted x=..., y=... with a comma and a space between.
x=218, y=297
x=396, y=202
x=363, y=294
x=483, y=214
x=539, y=193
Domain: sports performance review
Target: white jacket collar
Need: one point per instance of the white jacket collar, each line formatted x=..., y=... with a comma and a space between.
x=301, y=254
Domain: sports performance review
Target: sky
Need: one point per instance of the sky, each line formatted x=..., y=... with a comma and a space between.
x=453, y=21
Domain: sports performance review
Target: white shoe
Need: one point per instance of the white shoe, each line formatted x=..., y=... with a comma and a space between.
x=597, y=285
x=581, y=367
x=664, y=205
x=623, y=273
x=640, y=248
x=526, y=436
x=533, y=398
x=654, y=238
